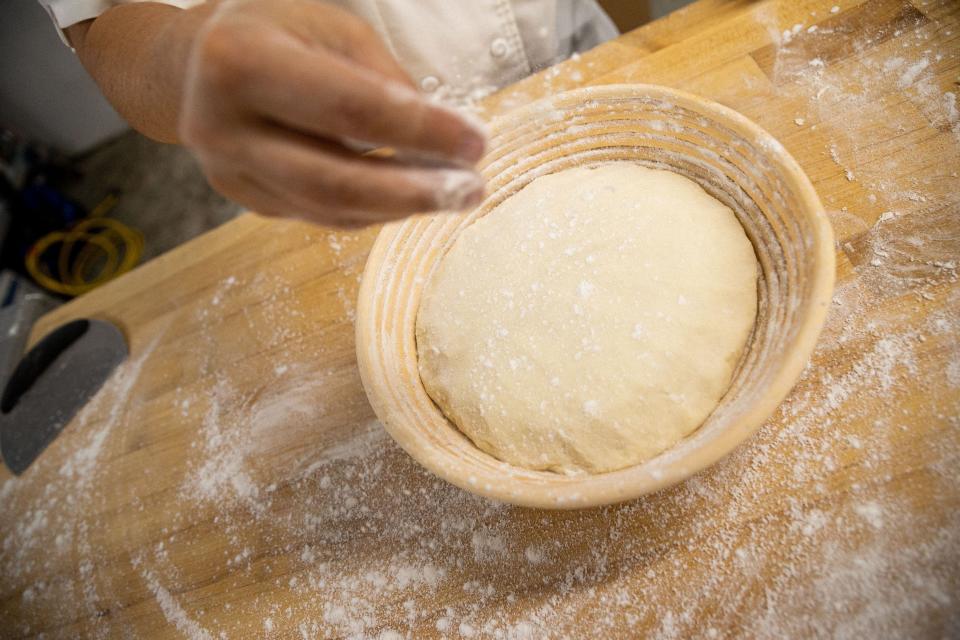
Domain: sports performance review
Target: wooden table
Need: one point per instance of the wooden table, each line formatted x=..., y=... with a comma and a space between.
x=231, y=479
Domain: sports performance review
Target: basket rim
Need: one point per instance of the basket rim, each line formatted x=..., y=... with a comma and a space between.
x=590, y=490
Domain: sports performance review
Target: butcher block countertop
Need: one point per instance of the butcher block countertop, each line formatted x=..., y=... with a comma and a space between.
x=231, y=480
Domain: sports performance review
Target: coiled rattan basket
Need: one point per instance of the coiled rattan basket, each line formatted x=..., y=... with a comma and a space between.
x=731, y=158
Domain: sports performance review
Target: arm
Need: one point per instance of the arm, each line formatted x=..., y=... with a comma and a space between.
x=138, y=53
x=270, y=93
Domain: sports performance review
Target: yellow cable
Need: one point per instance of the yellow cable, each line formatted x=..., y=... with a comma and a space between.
x=104, y=206
x=116, y=233
x=107, y=248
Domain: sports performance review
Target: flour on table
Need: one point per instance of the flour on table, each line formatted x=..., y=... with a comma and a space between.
x=775, y=541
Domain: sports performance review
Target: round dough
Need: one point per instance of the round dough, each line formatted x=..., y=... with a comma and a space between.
x=591, y=320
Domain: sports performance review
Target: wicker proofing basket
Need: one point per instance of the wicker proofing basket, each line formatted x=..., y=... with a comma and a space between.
x=731, y=158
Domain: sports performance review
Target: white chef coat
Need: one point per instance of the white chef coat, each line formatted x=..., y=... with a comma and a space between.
x=457, y=50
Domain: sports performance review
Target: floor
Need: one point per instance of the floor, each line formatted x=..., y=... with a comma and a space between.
x=162, y=192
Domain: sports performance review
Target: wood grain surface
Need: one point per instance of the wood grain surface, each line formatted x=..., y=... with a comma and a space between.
x=231, y=480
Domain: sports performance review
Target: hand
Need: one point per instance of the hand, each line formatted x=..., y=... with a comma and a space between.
x=277, y=96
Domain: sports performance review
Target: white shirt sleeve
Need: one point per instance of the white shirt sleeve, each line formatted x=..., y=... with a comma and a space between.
x=69, y=12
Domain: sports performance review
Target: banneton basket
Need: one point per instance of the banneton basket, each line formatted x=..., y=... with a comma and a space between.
x=731, y=158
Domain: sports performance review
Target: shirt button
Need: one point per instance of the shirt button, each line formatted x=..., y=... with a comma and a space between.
x=499, y=48
x=430, y=84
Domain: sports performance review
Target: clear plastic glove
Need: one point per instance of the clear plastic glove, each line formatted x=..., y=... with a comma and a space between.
x=279, y=93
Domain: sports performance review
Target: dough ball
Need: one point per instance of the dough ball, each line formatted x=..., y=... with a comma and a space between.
x=591, y=320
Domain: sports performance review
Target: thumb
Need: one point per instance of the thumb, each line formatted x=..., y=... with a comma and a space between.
x=354, y=39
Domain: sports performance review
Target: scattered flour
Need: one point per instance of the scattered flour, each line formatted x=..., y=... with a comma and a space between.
x=172, y=611
x=811, y=529
x=911, y=73
x=871, y=512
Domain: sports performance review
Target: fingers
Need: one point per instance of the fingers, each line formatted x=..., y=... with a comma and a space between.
x=363, y=45
x=288, y=174
x=260, y=197
x=319, y=176
x=321, y=93
x=250, y=192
